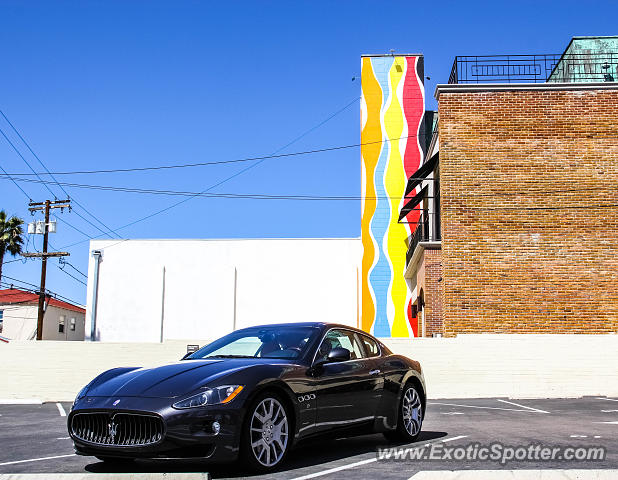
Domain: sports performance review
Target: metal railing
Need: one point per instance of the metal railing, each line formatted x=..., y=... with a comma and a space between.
x=568, y=67
x=421, y=234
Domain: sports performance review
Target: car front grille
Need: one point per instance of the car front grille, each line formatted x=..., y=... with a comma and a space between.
x=121, y=429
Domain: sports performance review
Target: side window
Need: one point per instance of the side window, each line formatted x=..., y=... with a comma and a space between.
x=61, y=324
x=339, y=339
x=72, y=324
x=371, y=347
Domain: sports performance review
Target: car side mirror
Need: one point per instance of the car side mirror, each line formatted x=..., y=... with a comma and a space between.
x=187, y=355
x=338, y=354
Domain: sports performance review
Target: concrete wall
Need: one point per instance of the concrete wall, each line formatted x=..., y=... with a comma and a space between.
x=517, y=366
x=20, y=323
x=176, y=289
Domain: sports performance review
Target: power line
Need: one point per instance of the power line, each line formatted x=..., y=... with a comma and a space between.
x=73, y=227
x=224, y=162
x=30, y=199
x=31, y=284
x=53, y=294
x=47, y=170
x=25, y=161
x=217, y=162
x=297, y=197
x=207, y=194
x=227, y=179
x=11, y=178
x=75, y=268
x=72, y=276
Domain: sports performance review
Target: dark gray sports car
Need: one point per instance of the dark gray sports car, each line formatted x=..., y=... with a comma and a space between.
x=254, y=393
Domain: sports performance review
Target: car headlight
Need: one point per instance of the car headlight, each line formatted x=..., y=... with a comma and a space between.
x=210, y=396
x=82, y=393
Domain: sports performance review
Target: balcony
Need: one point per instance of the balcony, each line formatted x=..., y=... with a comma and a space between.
x=422, y=233
x=561, y=68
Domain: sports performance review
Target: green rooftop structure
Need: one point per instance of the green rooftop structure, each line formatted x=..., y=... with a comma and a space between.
x=588, y=59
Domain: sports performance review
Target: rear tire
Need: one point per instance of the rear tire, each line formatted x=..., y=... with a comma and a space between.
x=409, y=416
x=266, y=437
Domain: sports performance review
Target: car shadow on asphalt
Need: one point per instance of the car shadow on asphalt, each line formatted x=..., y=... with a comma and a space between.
x=308, y=453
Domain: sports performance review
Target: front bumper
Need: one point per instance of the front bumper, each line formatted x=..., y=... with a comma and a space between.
x=187, y=433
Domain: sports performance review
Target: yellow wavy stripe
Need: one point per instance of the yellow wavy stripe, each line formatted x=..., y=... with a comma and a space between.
x=372, y=132
x=395, y=181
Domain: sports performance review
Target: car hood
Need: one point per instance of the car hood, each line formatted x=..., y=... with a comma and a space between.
x=169, y=381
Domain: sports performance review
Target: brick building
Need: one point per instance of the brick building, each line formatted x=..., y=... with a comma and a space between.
x=519, y=224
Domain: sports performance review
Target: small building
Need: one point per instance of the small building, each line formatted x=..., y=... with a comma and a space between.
x=19, y=311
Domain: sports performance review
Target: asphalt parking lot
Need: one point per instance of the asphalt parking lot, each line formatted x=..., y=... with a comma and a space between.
x=33, y=439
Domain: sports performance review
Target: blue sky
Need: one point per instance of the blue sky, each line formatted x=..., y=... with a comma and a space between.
x=118, y=84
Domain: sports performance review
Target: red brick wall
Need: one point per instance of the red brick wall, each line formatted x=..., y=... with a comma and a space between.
x=429, y=279
x=515, y=260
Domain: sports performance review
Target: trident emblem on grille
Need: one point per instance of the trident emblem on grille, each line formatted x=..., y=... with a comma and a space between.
x=112, y=428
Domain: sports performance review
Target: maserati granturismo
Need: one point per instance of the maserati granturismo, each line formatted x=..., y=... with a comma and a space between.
x=254, y=393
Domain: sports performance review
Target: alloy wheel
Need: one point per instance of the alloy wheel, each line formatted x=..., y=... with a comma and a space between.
x=412, y=411
x=269, y=432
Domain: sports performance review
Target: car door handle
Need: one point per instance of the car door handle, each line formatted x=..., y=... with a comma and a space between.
x=374, y=372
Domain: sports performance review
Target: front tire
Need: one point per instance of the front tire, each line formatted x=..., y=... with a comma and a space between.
x=266, y=436
x=409, y=416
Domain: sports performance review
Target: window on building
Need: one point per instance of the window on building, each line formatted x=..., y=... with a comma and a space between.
x=371, y=347
x=72, y=324
x=1, y=317
x=61, y=324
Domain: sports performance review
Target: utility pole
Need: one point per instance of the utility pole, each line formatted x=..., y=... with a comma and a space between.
x=46, y=206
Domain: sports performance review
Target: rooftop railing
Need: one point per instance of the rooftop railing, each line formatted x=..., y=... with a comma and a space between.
x=568, y=67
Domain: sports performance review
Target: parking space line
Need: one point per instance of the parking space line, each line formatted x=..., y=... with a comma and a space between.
x=61, y=409
x=610, y=399
x=336, y=469
x=522, y=406
x=365, y=462
x=36, y=459
x=477, y=406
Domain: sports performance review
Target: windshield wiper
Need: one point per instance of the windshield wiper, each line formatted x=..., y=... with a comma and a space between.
x=229, y=356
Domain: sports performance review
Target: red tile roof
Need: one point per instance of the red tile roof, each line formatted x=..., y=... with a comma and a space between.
x=14, y=295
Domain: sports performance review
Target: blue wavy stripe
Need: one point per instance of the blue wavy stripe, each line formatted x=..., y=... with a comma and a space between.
x=381, y=275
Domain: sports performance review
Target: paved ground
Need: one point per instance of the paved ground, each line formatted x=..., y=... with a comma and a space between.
x=33, y=438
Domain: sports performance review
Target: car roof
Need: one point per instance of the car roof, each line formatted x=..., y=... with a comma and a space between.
x=321, y=325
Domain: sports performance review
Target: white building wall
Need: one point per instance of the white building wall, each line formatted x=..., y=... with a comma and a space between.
x=51, y=321
x=20, y=323
x=149, y=290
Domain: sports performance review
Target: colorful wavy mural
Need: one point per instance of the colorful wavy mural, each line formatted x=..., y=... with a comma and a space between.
x=392, y=109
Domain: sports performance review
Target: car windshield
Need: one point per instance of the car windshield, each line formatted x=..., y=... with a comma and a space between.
x=287, y=342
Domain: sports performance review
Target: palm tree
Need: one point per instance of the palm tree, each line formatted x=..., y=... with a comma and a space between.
x=11, y=238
